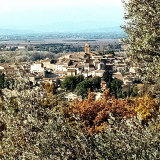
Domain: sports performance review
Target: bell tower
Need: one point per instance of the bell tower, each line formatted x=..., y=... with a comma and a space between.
x=87, y=48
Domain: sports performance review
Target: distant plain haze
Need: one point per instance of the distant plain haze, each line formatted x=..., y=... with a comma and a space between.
x=60, y=15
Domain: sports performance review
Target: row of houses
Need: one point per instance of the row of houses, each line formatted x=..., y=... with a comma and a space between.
x=87, y=64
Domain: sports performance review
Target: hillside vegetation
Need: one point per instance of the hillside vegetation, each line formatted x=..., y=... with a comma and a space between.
x=33, y=127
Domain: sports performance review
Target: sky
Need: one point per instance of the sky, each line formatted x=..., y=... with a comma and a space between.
x=60, y=15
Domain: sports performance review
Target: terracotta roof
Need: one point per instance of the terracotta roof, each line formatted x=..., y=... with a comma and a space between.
x=37, y=62
x=118, y=76
x=73, y=66
x=71, y=70
x=60, y=72
x=46, y=60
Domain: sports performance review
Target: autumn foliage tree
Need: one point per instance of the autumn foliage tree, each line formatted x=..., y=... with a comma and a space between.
x=145, y=107
x=97, y=113
x=32, y=127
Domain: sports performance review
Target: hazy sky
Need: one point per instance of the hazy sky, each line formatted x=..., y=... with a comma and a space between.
x=54, y=15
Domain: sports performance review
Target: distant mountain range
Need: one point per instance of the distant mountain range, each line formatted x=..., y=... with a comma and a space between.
x=15, y=32
x=116, y=29
x=80, y=27
x=97, y=30
x=62, y=28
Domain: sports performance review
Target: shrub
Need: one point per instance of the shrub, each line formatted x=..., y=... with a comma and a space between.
x=145, y=107
x=96, y=112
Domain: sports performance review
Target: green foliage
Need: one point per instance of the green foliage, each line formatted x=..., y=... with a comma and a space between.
x=142, y=27
x=9, y=83
x=116, y=88
x=6, y=83
x=109, y=52
x=134, y=91
x=82, y=88
x=32, y=127
x=80, y=85
x=2, y=80
x=107, y=77
x=70, y=82
x=88, y=84
x=96, y=81
x=79, y=78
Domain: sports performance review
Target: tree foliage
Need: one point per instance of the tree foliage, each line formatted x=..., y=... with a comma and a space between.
x=91, y=84
x=82, y=88
x=2, y=80
x=145, y=107
x=96, y=113
x=115, y=85
x=32, y=127
x=143, y=29
x=107, y=77
x=96, y=82
x=70, y=82
x=116, y=88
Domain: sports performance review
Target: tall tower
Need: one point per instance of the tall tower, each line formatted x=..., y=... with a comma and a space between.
x=87, y=48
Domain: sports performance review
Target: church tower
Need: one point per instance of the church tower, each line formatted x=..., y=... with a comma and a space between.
x=87, y=48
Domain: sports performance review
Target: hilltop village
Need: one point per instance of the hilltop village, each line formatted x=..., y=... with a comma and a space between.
x=87, y=63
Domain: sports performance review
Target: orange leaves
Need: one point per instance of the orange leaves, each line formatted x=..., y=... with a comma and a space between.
x=106, y=94
x=95, y=113
x=91, y=96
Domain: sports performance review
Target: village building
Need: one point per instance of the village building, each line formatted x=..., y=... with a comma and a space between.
x=47, y=63
x=87, y=64
x=9, y=70
x=37, y=67
x=117, y=75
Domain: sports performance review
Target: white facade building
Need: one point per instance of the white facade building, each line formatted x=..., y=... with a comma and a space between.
x=37, y=67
